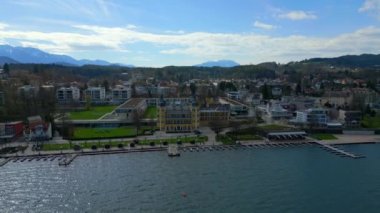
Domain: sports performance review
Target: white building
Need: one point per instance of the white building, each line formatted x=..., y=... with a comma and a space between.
x=276, y=91
x=315, y=116
x=28, y=90
x=96, y=94
x=277, y=112
x=121, y=93
x=68, y=94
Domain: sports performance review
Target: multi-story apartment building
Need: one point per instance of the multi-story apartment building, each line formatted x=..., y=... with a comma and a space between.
x=177, y=117
x=120, y=94
x=215, y=113
x=313, y=116
x=68, y=94
x=96, y=94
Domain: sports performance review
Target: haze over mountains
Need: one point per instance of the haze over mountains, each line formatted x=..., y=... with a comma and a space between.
x=26, y=55
x=219, y=63
x=10, y=54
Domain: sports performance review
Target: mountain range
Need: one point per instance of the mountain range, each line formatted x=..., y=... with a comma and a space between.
x=219, y=63
x=10, y=54
x=25, y=55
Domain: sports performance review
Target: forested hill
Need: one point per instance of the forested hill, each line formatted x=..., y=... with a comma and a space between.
x=364, y=60
x=180, y=73
x=7, y=60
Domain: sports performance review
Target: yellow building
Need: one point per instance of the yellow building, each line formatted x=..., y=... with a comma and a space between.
x=178, y=117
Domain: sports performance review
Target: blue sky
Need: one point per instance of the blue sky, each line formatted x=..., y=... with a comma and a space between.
x=183, y=32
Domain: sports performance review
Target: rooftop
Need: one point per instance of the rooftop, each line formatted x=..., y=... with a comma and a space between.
x=132, y=103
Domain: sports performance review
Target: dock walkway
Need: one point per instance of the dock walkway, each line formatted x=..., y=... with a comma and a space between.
x=338, y=151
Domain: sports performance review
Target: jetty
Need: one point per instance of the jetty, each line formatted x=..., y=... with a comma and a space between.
x=173, y=151
x=4, y=161
x=338, y=151
x=66, y=161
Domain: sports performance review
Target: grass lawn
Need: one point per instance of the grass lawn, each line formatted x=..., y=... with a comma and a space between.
x=324, y=136
x=88, y=145
x=96, y=133
x=226, y=140
x=371, y=122
x=151, y=112
x=54, y=147
x=273, y=127
x=94, y=113
x=85, y=145
x=248, y=137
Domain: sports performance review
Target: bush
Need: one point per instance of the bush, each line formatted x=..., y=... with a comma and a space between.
x=152, y=144
x=192, y=142
x=179, y=142
x=132, y=145
x=107, y=146
x=93, y=147
x=165, y=143
x=77, y=147
x=120, y=145
x=136, y=141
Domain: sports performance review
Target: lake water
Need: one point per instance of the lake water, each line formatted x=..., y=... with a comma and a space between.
x=294, y=179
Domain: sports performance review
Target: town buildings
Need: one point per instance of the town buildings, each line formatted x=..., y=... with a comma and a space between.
x=177, y=117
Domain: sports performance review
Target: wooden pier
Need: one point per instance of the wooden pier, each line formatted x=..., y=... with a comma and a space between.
x=66, y=161
x=4, y=161
x=338, y=151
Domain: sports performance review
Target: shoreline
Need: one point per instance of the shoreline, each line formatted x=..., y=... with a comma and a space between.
x=116, y=150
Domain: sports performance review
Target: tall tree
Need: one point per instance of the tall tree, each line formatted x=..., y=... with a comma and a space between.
x=106, y=85
x=6, y=68
x=193, y=89
x=265, y=92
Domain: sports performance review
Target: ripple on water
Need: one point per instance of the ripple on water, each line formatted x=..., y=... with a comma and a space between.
x=301, y=179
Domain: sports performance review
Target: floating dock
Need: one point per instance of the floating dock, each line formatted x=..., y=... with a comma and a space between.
x=173, y=151
x=338, y=151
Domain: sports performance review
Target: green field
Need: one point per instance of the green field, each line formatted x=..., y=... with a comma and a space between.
x=54, y=147
x=93, y=113
x=151, y=112
x=323, y=136
x=226, y=140
x=84, y=145
x=248, y=137
x=371, y=122
x=98, y=133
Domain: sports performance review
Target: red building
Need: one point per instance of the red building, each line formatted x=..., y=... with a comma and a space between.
x=15, y=128
x=11, y=130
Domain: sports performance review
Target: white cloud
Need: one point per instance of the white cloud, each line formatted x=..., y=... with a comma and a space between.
x=371, y=6
x=131, y=26
x=264, y=26
x=297, y=15
x=3, y=26
x=175, y=31
x=245, y=48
